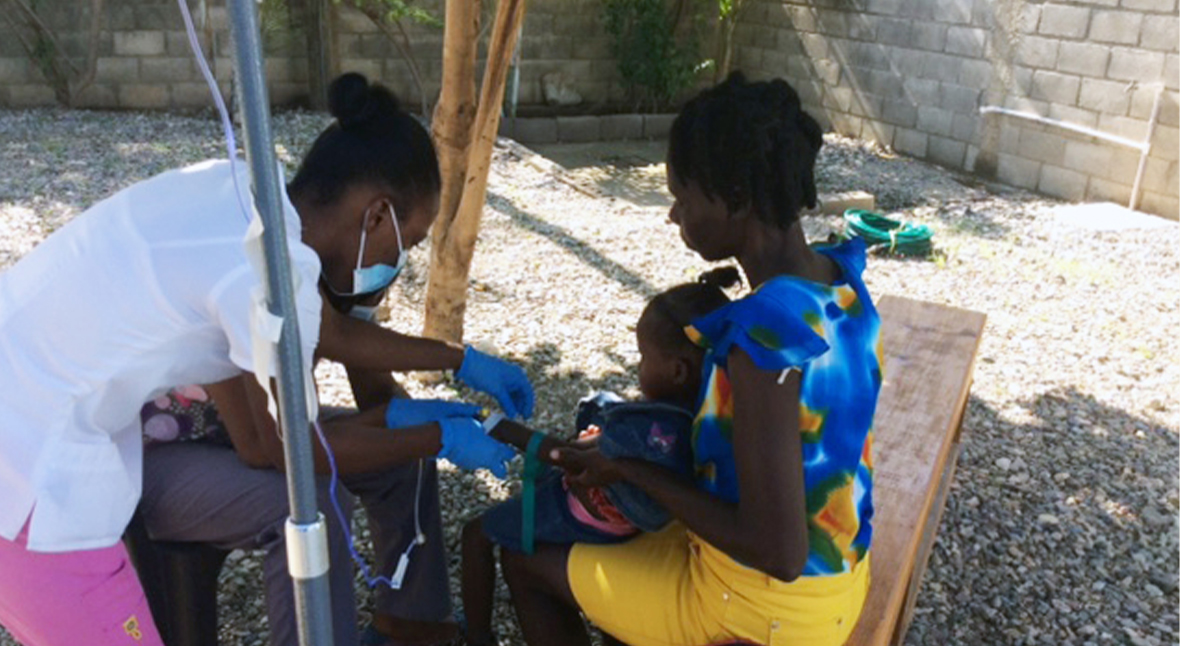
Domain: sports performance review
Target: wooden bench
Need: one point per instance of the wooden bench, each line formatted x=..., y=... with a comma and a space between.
x=929, y=359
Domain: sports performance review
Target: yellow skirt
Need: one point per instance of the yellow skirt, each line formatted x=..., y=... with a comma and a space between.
x=671, y=588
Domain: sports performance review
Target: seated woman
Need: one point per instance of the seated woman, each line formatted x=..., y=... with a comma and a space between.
x=771, y=542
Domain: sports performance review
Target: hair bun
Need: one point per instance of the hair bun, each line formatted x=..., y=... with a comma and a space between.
x=353, y=100
x=723, y=277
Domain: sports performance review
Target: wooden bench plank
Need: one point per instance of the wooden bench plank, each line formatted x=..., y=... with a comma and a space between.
x=929, y=357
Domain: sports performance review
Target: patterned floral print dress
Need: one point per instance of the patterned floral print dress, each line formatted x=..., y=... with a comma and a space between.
x=831, y=335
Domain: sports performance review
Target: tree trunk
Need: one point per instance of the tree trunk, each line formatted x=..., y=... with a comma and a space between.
x=318, y=53
x=465, y=176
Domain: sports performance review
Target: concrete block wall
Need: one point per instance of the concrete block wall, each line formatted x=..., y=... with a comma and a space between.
x=560, y=36
x=145, y=61
x=913, y=74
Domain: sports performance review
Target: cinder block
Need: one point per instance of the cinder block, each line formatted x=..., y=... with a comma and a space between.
x=911, y=142
x=1172, y=72
x=935, y=121
x=921, y=91
x=621, y=126
x=1158, y=6
x=886, y=7
x=1073, y=115
x=1103, y=190
x=1143, y=99
x=370, y=68
x=577, y=129
x=1165, y=205
x=14, y=70
x=1016, y=171
x=947, y=152
x=942, y=67
x=1063, y=183
x=838, y=98
x=1042, y=146
x=176, y=43
x=838, y=203
x=1030, y=16
x=156, y=17
x=1055, y=88
x=98, y=96
x=1104, y=96
x=966, y=41
x=1135, y=65
x=1064, y=20
x=192, y=95
x=815, y=45
x=930, y=36
x=899, y=113
x=29, y=95
x=167, y=70
x=1087, y=157
x=1121, y=126
x=1036, y=51
x=1121, y=27
x=894, y=31
x=802, y=18
x=1164, y=143
x=657, y=126
x=1083, y=58
x=952, y=11
x=351, y=21
x=143, y=96
x=139, y=43
x=965, y=126
x=846, y=124
x=960, y=98
x=878, y=131
x=531, y=131
x=976, y=73
x=1156, y=174
x=1160, y=34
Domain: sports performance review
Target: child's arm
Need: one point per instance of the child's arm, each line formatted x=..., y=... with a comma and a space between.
x=518, y=435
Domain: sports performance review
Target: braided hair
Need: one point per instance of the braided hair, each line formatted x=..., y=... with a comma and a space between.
x=749, y=145
x=373, y=141
x=675, y=308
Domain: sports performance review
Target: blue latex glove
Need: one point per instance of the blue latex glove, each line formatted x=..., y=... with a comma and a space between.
x=500, y=379
x=466, y=445
x=402, y=412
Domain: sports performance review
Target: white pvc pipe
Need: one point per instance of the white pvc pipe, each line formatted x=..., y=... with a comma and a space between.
x=1155, y=113
x=1084, y=130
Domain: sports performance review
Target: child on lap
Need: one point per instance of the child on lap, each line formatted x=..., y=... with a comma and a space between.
x=657, y=430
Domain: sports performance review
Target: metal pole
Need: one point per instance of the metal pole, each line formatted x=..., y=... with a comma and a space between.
x=306, y=537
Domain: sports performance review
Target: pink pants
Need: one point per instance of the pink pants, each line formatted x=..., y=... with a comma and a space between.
x=90, y=597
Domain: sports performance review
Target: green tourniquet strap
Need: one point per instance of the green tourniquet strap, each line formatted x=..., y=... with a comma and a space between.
x=905, y=238
x=528, y=517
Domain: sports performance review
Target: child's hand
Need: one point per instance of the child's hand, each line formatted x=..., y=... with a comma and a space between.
x=586, y=467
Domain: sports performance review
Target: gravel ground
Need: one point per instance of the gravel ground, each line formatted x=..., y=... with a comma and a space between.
x=1061, y=526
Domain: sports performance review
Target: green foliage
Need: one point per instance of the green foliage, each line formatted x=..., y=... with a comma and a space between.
x=396, y=10
x=657, y=61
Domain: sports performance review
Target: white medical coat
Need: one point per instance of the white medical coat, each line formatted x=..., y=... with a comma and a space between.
x=146, y=290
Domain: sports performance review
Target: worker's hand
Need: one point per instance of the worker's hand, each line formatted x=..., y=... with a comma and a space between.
x=412, y=412
x=465, y=443
x=500, y=379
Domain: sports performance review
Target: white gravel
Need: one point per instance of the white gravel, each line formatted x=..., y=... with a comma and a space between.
x=1061, y=526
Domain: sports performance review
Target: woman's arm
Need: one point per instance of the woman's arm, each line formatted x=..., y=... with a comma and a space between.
x=767, y=528
x=364, y=345
x=358, y=445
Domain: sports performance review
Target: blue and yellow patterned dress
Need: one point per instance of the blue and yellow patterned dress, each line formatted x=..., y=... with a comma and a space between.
x=831, y=334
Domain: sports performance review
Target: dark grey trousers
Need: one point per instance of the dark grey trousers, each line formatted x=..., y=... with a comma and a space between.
x=203, y=493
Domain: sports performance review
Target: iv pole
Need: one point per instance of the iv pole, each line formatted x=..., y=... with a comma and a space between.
x=306, y=533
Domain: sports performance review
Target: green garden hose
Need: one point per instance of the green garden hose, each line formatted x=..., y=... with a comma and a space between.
x=878, y=231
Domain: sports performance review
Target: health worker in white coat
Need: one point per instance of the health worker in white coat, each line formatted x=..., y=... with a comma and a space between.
x=152, y=288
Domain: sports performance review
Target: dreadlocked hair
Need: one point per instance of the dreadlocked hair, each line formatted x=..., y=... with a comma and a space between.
x=749, y=145
x=675, y=308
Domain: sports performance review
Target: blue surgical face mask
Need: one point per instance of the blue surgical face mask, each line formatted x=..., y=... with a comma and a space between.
x=375, y=278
